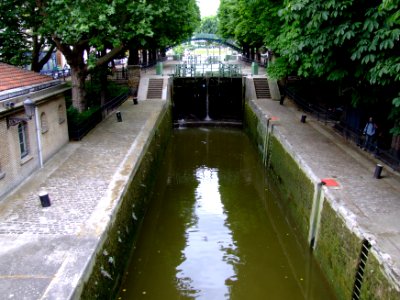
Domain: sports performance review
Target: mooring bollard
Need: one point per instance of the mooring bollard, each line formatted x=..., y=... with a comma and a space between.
x=303, y=118
x=44, y=199
x=119, y=116
x=378, y=171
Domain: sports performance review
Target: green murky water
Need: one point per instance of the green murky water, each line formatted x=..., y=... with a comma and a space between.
x=215, y=231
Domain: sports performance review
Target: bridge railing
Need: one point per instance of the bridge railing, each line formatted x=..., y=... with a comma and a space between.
x=208, y=70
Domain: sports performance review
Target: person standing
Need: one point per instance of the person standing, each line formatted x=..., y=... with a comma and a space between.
x=369, y=132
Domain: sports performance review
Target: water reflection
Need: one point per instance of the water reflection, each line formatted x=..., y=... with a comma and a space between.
x=209, y=244
x=215, y=229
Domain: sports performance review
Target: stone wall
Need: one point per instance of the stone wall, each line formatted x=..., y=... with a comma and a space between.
x=13, y=168
x=54, y=114
x=105, y=275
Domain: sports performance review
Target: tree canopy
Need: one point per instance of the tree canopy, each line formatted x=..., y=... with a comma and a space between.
x=253, y=23
x=209, y=25
x=352, y=43
x=20, y=42
x=90, y=33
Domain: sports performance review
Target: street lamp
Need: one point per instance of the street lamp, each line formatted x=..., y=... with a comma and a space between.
x=29, y=107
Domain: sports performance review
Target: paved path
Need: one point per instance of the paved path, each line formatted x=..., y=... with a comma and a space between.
x=45, y=250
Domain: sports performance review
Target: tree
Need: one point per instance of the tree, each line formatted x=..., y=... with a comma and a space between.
x=352, y=43
x=103, y=29
x=83, y=29
x=179, y=21
x=208, y=25
x=227, y=16
x=20, y=42
x=252, y=24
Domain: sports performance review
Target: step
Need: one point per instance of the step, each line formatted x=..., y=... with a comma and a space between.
x=154, y=90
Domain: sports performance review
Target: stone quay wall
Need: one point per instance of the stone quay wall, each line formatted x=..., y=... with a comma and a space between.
x=337, y=245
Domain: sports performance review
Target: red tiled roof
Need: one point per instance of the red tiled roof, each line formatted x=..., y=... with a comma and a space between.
x=13, y=77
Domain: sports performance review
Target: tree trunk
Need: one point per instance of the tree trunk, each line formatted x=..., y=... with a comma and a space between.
x=144, y=57
x=75, y=59
x=35, y=54
x=133, y=56
x=78, y=77
x=163, y=53
x=38, y=44
x=252, y=53
x=151, y=55
x=103, y=81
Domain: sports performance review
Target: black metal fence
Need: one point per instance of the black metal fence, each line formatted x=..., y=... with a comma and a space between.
x=79, y=130
x=323, y=114
x=329, y=115
x=113, y=103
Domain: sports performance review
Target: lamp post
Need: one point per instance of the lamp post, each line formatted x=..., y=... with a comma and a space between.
x=29, y=107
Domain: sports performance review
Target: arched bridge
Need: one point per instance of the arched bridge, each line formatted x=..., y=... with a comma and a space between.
x=217, y=39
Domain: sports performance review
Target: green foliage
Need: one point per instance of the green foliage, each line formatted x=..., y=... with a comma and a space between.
x=75, y=117
x=94, y=88
x=353, y=43
x=179, y=50
x=93, y=94
x=20, y=42
x=278, y=68
x=103, y=29
x=227, y=16
x=93, y=22
x=208, y=25
x=254, y=23
x=13, y=45
x=175, y=24
x=395, y=115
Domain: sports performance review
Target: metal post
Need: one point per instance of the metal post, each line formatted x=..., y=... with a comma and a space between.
x=378, y=171
x=44, y=199
x=119, y=116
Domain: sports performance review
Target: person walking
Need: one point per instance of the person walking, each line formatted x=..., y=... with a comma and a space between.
x=369, y=132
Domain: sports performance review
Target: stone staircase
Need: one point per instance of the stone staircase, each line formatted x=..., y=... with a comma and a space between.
x=154, y=90
x=262, y=88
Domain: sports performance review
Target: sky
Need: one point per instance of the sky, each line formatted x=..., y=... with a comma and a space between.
x=208, y=7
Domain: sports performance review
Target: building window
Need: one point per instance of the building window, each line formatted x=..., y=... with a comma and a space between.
x=23, y=139
x=43, y=123
x=61, y=114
